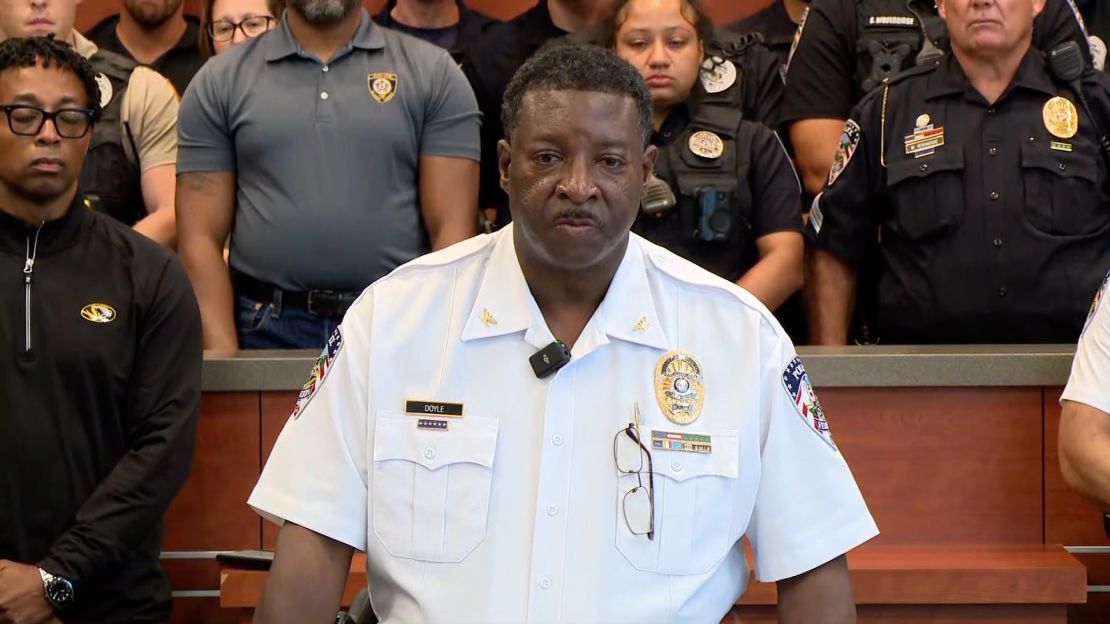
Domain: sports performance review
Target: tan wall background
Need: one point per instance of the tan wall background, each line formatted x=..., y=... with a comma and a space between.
x=722, y=11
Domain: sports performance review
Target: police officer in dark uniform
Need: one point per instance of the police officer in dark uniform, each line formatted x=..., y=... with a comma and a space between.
x=101, y=366
x=725, y=195
x=847, y=47
x=984, y=176
x=777, y=24
x=456, y=37
x=111, y=181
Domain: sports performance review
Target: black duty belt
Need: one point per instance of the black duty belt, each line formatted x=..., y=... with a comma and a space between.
x=317, y=302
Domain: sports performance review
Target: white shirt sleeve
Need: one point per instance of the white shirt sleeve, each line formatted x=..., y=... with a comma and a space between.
x=316, y=474
x=808, y=508
x=1089, y=382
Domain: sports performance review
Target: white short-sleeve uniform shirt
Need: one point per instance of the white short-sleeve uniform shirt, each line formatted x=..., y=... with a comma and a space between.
x=513, y=511
x=1089, y=382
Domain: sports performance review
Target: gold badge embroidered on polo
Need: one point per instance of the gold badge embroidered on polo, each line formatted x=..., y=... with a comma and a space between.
x=382, y=85
x=98, y=313
x=1061, y=118
x=679, y=387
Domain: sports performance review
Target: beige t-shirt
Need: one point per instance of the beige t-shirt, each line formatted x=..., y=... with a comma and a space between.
x=149, y=108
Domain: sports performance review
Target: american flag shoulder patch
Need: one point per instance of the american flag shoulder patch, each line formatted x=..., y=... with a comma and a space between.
x=319, y=372
x=795, y=381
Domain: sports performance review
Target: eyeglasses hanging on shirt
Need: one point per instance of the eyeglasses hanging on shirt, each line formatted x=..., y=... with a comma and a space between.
x=637, y=504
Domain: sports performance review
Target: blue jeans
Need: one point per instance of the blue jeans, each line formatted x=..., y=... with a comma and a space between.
x=270, y=326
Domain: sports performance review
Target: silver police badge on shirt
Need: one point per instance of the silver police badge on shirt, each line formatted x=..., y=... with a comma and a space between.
x=382, y=85
x=706, y=144
x=679, y=387
x=717, y=74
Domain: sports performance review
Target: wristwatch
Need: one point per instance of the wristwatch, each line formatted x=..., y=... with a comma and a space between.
x=59, y=591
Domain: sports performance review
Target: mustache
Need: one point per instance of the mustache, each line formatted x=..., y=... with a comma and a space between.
x=577, y=212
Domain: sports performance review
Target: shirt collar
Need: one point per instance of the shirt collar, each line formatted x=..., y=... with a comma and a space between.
x=505, y=304
x=15, y=232
x=950, y=79
x=83, y=46
x=281, y=44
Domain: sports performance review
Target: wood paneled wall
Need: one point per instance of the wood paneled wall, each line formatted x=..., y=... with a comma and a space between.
x=722, y=11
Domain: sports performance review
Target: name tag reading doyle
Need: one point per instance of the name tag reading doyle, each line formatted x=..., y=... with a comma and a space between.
x=434, y=408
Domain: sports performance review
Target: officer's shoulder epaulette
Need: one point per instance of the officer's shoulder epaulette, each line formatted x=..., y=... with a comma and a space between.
x=896, y=81
x=477, y=246
x=733, y=45
x=913, y=72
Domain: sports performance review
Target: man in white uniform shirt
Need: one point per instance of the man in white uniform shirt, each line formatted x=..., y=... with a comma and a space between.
x=495, y=474
x=1085, y=419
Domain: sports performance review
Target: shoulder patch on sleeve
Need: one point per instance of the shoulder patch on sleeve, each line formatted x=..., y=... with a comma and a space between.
x=849, y=140
x=1102, y=294
x=795, y=381
x=319, y=372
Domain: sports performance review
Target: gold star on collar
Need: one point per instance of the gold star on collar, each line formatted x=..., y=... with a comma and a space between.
x=641, y=325
x=488, y=318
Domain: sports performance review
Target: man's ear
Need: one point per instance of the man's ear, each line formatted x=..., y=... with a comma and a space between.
x=651, y=154
x=942, y=10
x=504, y=161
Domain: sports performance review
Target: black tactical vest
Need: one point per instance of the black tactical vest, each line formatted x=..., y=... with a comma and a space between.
x=710, y=224
x=111, y=182
x=892, y=37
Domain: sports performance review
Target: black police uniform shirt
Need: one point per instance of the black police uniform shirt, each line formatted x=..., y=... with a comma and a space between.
x=768, y=199
x=994, y=219
x=100, y=402
x=1096, y=14
x=822, y=81
x=179, y=64
x=457, y=39
x=774, y=25
x=489, y=66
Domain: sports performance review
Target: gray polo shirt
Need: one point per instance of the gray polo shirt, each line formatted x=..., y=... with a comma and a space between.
x=326, y=154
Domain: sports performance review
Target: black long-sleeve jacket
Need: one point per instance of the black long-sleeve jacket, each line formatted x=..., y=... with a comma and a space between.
x=99, y=400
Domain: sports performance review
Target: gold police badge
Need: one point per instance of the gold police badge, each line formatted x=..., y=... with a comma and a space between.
x=382, y=85
x=679, y=388
x=1061, y=117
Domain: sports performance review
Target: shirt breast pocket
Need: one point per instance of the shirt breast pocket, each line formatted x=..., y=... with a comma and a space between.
x=432, y=488
x=1062, y=193
x=928, y=194
x=695, y=498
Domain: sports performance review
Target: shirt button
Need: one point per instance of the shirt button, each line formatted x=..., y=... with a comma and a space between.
x=993, y=151
x=430, y=452
x=545, y=583
x=998, y=242
x=990, y=111
x=552, y=510
x=1063, y=166
x=323, y=95
x=1032, y=139
x=994, y=195
x=924, y=167
x=1002, y=292
x=676, y=465
x=324, y=69
x=557, y=440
